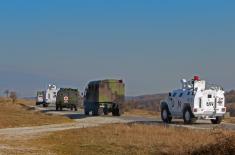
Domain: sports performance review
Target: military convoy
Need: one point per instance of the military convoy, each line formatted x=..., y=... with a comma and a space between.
x=195, y=100
x=104, y=96
x=100, y=97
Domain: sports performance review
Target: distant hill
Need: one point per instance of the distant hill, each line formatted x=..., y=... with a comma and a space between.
x=148, y=102
x=230, y=96
x=152, y=102
x=230, y=102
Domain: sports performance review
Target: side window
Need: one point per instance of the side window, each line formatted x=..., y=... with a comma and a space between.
x=181, y=94
x=209, y=96
x=188, y=93
x=174, y=94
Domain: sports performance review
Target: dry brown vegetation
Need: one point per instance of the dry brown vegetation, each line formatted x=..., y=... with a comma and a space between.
x=135, y=139
x=146, y=102
x=16, y=115
x=230, y=120
x=142, y=112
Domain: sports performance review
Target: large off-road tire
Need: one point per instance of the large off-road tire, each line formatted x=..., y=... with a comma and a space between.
x=218, y=120
x=188, y=115
x=165, y=115
x=86, y=112
x=105, y=110
x=75, y=108
x=61, y=108
x=115, y=110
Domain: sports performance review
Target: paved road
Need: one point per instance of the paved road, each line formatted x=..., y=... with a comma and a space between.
x=79, y=116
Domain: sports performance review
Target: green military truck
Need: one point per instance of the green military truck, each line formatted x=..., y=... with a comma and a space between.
x=104, y=96
x=68, y=98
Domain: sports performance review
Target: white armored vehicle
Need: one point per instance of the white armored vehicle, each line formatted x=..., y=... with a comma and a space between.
x=48, y=96
x=195, y=100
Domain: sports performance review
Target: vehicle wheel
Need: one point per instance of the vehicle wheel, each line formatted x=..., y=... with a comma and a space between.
x=105, y=110
x=71, y=108
x=188, y=116
x=114, y=112
x=165, y=114
x=75, y=108
x=86, y=112
x=117, y=112
x=218, y=120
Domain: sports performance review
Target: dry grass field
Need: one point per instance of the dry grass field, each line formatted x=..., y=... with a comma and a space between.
x=142, y=112
x=230, y=120
x=132, y=139
x=15, y=115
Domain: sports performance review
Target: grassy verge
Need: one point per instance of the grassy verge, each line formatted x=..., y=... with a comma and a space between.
x=136, y=139
x=14, y=115
x=230, y=120
x=140, y=112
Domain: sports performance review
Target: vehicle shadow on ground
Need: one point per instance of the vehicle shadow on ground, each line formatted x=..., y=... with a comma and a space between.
x=76, y=116
x=67, y=113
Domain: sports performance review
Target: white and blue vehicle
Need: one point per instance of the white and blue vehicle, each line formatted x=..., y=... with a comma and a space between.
x=195, y=100
x=48, y=96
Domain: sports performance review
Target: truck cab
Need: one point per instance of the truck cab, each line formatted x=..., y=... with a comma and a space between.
x=195, y=100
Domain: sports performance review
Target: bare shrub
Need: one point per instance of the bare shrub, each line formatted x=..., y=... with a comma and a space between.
x=13, y=96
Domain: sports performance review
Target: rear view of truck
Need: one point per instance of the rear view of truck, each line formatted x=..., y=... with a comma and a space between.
x=40, y=97
x=68, y=98
x=104, y=96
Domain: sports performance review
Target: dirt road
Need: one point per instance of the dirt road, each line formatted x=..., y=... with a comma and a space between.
x=82, y=121
x=9, y=133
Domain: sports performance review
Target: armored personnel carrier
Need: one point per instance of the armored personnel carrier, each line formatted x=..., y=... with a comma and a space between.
x=104, y=96
x=195, y=100
x=68, y=98
x=48, y=96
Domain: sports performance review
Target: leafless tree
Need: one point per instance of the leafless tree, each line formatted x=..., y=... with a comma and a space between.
x=13, y=96
x=7, y=92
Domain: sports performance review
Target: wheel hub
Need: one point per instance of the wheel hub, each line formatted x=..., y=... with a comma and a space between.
x=164, y=114
x=187, y=115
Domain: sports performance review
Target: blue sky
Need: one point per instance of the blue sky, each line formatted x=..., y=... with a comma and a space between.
x=150, y=44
